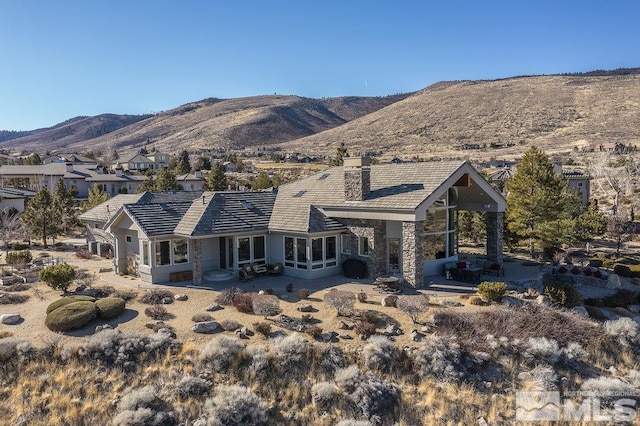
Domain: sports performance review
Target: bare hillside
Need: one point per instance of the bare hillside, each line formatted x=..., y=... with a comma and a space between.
x=556, y=113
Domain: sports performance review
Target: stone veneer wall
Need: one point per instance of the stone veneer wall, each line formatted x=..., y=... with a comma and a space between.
x=412, y=253
x=495, y=236
x=197, y=261
x=375, y=231
x=357, y=183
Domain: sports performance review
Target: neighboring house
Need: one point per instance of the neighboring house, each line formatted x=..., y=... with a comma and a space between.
x=144, y=161
x=12, y=198
x=160, y=159
x=192, y=181
x=116, y=183
x=398, y=219
x=76, y=159
x=578, y=181
x=47, y=175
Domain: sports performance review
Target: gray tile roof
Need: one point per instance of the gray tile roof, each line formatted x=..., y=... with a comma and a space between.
x=227, y=212
x=54, y=169
x=113, y=178
x=157, y=218
x=13, y=193
x=397, y=187
x=104, y=211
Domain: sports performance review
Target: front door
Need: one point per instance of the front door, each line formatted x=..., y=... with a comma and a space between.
x=394, y=252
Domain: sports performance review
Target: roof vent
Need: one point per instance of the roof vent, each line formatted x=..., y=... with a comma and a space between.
x=299, y=194
x=247, y=205
x=323, y=176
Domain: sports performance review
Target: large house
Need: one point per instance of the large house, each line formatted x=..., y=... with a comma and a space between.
x=396, y=218
x=143, y=161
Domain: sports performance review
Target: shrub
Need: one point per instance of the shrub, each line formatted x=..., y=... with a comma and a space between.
x=58, y=277
x=84, y=253
x=492, y=291
x=142, y=406
x=313, y=331
x=12, y=299
x=413, y=306
x=235, y=406
x=622, y=297
x=323, y=394
x=66, y=300
x=17, y=287
x=303, y=294
x=226, y=296
x=369, y=396
x=71, y=316
x=18, y=258
x=11, y=347
x=156, y=312
x=635, y=271
x=263, y=328
x=364, y=329
x=562, y=294
x=476, y=300
x=221, y=352
x=192, y=387
x=440, y=357
x=243, y=302
x=155, y=296
x=265, y=305
x=201, y=318
x=126, y=295
x=289, y=287
x=341, y=301
x=259, y=357
x=230, y=325
x=289, y=349
x=110, y=307
x=625, y=330
x=622, y=270
x=98, y=292
x=18, y=246
x=380, y=353
x=543, y=348
x=362, y=297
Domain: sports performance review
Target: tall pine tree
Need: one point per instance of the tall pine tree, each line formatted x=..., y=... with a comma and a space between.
x=40, y=218
x=540, y=208
x=216, y=180
x=64, y=206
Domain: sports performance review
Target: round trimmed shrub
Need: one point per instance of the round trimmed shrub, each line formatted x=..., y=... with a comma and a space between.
x=110, y=307
x=66, y=300
x=492, y=291
x=71, y=316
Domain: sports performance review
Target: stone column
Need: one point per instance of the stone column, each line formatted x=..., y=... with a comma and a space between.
x=197, y=261
x=412, y=256
x=495, y=236
x=378, y=261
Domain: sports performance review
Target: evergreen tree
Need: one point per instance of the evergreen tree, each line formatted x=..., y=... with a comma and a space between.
x=184, y=157
x=471, y=225
x=540, y=208
x=182, y=168
x=64, y=205
x=216, y=180
x=341, y=152
x=148, y=184
x=34, y=160
x=203, y=163
x=40, y=218
x=262, y=181
x=590, y=224
x=96, y=197
x=166, y=181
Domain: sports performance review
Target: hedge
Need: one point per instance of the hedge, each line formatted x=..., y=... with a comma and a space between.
x=71, y=316
x=110, y=307
x=66, y=300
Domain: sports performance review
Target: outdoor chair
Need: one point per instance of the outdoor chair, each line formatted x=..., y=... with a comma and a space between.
x=259, y=268
x=246, y=273
x=275, y=269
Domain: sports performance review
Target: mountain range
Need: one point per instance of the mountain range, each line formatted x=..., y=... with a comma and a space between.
x=557, y=113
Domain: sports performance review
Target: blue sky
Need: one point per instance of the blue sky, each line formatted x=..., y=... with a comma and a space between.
x=64, y=58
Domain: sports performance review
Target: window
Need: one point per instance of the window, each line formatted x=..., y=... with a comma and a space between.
x=259, y=251
x=579, y=183
x=163, y=253
x=363, y=246
x=317, y=254
x=145, y=253
x=301, y=253
x=289, y=252
x=128, y=238
x=330, y=251
x=180, y=251
x=345, y=243
x=244, y=250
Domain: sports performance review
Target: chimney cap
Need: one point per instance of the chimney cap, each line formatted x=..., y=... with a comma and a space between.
x=357, y=161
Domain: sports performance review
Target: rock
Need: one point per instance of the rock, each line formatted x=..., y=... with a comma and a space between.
x=205, y=327
x=542, y=300
x=634, y=309
x=531, y=293
x=613, y=281
x=181, y=297
x=426, y=329
x=167, y=301
x=327, y=337
x=10, y=319
x=99, y=328
x=390, y=301
x=451, y=303
x=510, y=301
x=343, y=326
x=636, y=318
x=345, y=336
x=167, y=332
x=581, y=310
x=304, y=307
x=213, y=307
x=621, y=311
x=246, y=331
x=393, y=330
x=415, y=336
x=240, y=334
x=622, y=270
x=261, y=292
x=609, y=315
x=101, y=270
x=284, y=296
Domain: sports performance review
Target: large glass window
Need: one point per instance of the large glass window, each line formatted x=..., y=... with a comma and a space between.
x=331, y=252
x=436, y=220
x=163, y=253
x=259, y=250
x=244, y=251
x=434, y=246
x=180, y=251
x=363, y=246
x=317, y=261
x=345, y=243
x=289, y=252
x=145, y=253
x=301, y=253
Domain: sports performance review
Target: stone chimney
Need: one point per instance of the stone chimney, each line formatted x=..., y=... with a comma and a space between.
x=557, y=165
x=118, y=171
x=69, y=167
x=357, y=178
x=198, y=174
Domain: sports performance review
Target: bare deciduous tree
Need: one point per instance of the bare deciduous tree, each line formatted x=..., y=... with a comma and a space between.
x=341, y=301
x=413, y=306
x=10, y=227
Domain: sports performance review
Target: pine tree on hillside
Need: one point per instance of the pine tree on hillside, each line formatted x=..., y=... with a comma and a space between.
x=96, y=197
x=166, y=181
x=216, y=180
x=65, y=206
x=40, y=218
x=540, y=208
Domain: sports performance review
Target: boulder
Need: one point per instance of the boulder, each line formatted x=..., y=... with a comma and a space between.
x=613, y=281
x=426, y=328
x=167, y=332
x=167, y=300
x=213, y=307
x=304, y=307
x=345, y=336
x=205, y=327
x=621, y=311
x=636, y=319
x=415, y=336
x=246, y=331
x=181, y=297
x=240, y=334
x=344, y=326
x=581, y=310
x=393, y=330
x=451, y=303
x=510, y=301
x=99, y=328
x=390, y=301
x=609, y=315
x=634, y=309
x=327, y=337
x=10, y=319
x=622, y=270
x=542, y=300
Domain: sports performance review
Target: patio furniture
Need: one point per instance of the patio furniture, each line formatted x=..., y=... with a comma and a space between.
x=471, y=275
x=275, y=269
x=354, y=268
x=388, y=285
x=246, y=273
x=492, y=268
x=259, y=268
